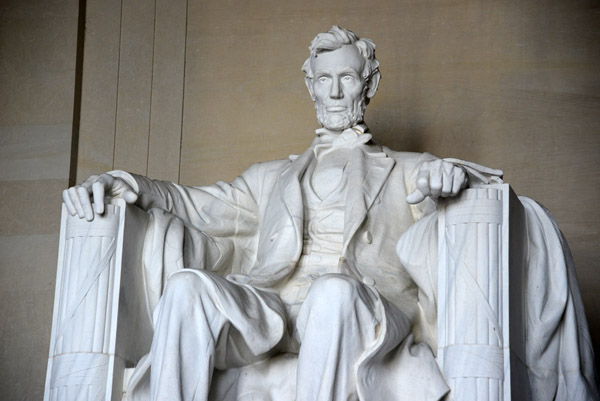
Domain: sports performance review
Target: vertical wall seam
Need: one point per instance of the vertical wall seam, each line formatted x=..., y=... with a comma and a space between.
x=118, y=82
x=76, y=122
x=151, y=92
x=187, y=13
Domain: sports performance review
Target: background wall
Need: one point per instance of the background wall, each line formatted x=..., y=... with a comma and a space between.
x=38, y=46
x=196, y=90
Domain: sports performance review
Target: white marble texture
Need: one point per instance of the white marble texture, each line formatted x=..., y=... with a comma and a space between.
x=100, y=321
x=481, y=311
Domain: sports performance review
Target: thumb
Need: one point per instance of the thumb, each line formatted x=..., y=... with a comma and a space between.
x=415, y=197
x=129, y=196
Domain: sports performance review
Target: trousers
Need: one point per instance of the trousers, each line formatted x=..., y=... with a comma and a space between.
x=204, y=321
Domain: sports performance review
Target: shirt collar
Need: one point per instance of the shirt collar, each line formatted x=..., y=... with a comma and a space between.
x=328, y=140
x=327, y=135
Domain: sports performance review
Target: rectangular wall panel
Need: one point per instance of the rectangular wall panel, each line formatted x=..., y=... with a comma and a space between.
x=167, y=89
x=99, y=87
x=135, y=83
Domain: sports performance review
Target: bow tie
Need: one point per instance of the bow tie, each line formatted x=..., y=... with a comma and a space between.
x=328, y=141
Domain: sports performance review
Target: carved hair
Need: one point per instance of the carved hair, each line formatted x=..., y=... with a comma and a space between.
x=334, y=39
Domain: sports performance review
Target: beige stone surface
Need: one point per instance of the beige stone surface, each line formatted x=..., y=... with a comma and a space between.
x=34, y=152
x=26, y=291
x=135, y=86
x=34, y=42
x=167, y=90
x=245, y=95
x=28, y=207
x=37, y=77
x=99, y=87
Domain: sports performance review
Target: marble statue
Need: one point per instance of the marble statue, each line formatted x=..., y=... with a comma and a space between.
x=298, y=257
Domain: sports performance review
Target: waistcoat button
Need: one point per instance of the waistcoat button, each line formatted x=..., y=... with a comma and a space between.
x=368, y=280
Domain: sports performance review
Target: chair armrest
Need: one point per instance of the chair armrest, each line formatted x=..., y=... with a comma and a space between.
x=101, y=323
x=481, y=301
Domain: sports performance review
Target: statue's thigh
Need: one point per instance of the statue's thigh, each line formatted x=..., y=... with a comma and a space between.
x=334, y=300
x=337, y=300
x=245, y=322
x=341, y=293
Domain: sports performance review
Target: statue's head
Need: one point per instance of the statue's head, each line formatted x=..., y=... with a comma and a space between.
x=342, y=75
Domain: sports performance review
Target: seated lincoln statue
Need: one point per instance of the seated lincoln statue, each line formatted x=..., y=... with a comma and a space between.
x=298, y=256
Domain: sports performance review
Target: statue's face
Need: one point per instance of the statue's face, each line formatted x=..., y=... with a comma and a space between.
x=338, y=87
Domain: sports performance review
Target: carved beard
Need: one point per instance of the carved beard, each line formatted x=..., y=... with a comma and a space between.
x=341, y=120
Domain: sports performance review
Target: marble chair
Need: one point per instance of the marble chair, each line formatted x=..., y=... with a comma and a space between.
x=102, y=325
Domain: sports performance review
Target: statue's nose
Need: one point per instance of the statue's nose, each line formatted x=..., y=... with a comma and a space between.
x=336, y=91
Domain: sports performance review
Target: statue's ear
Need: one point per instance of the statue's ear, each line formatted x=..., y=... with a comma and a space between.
x=373, y=84
x=309, y=85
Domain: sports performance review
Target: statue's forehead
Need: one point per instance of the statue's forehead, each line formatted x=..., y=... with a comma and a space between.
x=345, y=58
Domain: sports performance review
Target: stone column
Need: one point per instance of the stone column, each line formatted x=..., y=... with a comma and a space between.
x=480, y=295
x=98, y=306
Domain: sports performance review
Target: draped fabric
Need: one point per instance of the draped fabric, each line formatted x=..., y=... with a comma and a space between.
x=559, y=353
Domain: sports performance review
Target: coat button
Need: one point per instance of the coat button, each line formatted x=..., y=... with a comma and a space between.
x=368, y=280
x=367, y=237
x=377, y=200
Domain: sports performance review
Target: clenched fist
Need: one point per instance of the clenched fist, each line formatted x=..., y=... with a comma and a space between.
x=438, y=178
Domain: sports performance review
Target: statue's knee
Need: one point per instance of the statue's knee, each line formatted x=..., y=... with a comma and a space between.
x=334, y=291
x=183, y=286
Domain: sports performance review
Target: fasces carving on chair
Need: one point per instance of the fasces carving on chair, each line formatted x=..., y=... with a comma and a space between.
x=81, y=337
x=295, y=259
x=101, y=324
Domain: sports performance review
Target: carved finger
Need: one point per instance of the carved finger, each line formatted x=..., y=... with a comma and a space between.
x=415, y=197
x=447, y=179
x=98, y=192
x=457, y=183
x=435, y=182
x=86, y=205
x=423, y=182
x=130, y=196
x=69, y=203
x=76, y=202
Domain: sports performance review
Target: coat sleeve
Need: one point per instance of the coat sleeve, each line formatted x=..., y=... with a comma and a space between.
x=410, y=163
x=220, y=221
x=222, y=209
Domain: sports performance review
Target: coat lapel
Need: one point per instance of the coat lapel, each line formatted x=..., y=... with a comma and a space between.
x=291, y=193
x=368, y=172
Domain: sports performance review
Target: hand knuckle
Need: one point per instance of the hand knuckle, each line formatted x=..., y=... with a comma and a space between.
x=436, y=185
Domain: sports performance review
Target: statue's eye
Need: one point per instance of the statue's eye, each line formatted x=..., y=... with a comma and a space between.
x=347, y=78
x=323, y=79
